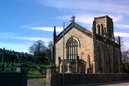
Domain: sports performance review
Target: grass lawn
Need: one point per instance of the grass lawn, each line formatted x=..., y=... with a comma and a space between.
x=43, y=65
x=7, y=67
x=33, y=73
x=42, y=82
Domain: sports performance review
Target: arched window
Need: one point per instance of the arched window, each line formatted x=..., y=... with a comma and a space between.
x=72, y=48
x=109, y=60
x=100, y=59
x=98, y=29
x=102, y=31
x=116, y=61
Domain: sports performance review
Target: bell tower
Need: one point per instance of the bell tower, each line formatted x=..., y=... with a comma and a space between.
x=103, y=26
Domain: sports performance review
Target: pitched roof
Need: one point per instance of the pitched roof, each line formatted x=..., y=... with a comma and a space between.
x=70, y=26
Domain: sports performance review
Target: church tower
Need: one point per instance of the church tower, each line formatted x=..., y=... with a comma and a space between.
x=103, y=26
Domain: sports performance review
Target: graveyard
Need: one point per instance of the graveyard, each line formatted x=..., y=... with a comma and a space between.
x=35, y=70
x=10, y=59
x=17, y=67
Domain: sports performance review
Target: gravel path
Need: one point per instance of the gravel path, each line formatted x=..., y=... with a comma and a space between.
x=34, y=82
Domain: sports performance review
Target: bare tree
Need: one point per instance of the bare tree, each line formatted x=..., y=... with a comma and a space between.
x=50, y=44
x=38, y=49
x=125, y=51
x=48, y=51
x=125, y=54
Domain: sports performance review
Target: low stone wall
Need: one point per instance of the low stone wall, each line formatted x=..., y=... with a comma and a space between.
x=70, y=79
x=12, y=79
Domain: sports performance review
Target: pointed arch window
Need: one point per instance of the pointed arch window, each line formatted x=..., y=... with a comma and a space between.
x=109, y=60
x=98, y=29
x=72, y=49
x=100, y=59
x=102, y=31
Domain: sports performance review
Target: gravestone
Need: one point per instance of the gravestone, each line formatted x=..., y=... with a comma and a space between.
x=7, y=66
x=2, y=67
x=11, y=67
x=3, y=58
x=22, y=68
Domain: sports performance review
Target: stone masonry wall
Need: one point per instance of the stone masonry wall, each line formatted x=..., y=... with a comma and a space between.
x=12, y=79
x=71, y=79
x=86, y=45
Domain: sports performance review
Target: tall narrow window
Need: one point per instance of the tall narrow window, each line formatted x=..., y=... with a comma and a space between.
x=100, y=59
x=72, y=49
x=102, y=31
x=110, y=63
x=98, y=29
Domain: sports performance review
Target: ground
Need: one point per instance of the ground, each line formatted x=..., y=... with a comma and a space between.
x=34, y=82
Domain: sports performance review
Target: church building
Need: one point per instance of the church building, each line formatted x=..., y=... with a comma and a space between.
x=78, y=50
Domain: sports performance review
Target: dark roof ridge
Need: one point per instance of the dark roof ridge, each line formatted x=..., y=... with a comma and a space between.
x=71, y=25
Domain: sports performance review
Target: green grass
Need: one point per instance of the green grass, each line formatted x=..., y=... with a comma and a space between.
x=7, y=68
x=43, y=65
x=33, y=73
x=42, y=82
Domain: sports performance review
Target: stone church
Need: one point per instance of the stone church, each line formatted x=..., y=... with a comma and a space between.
x=78, y=50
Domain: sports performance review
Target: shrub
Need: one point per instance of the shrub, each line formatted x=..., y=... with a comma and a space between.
x=126, y=67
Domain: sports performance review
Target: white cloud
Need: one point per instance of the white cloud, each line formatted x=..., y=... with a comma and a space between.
x=11, y=36
x=116, y=18
x=82, y=18
x=58, y=29
x=85, y=18
x=125, y=46
x=25, y=26
x=122, y=26
x=109, y=6
x=88, y=18
x=16, y=47
x=7, y=34
x=121, y=34
x=31, y=38
x=86, y=10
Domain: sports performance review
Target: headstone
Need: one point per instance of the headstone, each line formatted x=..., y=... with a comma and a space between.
x=40, y=70
x=22, y=68
x=7, y=66
x=2, y=58
x=2, y=67
x=19, y=60
x=11, y=67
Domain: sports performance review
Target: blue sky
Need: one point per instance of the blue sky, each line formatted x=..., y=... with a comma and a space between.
x=23, y=22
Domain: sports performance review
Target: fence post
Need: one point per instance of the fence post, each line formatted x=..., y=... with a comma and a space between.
x=51, y=76
x=23, y=70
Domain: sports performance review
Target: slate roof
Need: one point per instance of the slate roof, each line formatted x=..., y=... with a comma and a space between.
x=70, y=26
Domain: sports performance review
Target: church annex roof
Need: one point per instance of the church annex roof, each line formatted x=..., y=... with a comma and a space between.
x=77, y=26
